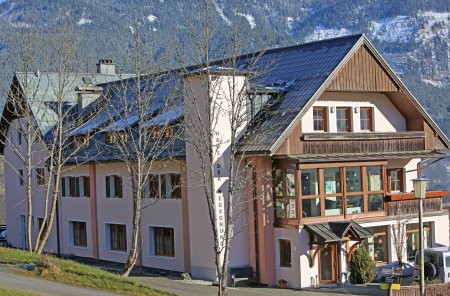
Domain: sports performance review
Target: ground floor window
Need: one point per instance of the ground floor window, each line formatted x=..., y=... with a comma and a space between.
x=378, y=245
x=162, y=241
x=285, y=253
x=78, y=233
x=116, y=237
x=412, y=238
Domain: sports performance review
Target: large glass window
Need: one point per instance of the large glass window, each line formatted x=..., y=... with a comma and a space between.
x=377, y=245
x=376, y=202
x=412, y=237
x=310, y=182
x=332, y=180
x=355, y=204
x=374, y=178
x=353, y=179
x=311, y=207
x=333, y=205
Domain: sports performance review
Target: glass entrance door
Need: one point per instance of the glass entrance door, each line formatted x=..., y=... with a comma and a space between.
x=328, y=264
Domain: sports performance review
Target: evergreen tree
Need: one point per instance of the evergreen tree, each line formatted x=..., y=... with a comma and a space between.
x=362, y=267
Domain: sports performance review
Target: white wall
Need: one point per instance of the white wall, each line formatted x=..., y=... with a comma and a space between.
x=386, y=117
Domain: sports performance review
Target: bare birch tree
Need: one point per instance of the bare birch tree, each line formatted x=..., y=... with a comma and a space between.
x=144, y=112
x=215, y=119
x=47, y=106
x=399, y=232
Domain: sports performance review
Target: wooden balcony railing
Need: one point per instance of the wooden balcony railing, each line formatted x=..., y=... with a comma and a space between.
x=335, y=143
x=411, y=206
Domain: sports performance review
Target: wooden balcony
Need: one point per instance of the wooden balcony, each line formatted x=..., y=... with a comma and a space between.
x=338, y=143
x=407, y=204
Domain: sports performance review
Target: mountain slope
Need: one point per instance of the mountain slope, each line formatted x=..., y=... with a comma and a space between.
x=414, y=36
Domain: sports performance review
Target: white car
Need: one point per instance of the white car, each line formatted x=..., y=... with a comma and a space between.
x=437, y=264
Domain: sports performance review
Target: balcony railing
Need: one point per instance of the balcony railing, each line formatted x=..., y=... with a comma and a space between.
x=411, y=206
x=335, y=143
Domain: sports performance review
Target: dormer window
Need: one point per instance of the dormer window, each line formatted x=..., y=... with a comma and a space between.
x=115, y=137
x=366, y=119
x=320, y=118
x=156, y=132
x=79, y=141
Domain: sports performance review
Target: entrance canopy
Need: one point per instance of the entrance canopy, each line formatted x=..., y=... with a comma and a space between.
x=332, y=233
x=337, y=231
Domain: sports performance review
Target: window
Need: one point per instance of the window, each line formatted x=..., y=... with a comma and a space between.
x=412, y=238
x=40, y=221
x=366, y=119
x=115, y=137
x=75, y=186
x=116, y=237
x=163, y=239
x=285, y=253
x=21, y=181
x=78, y=234
x=113, y=186
x=79, y=141
x=285, y=193
x=341, y=190
x=40, y=176
x=343, y=120
x=320, y=118
x=395, y=180
x=377, y=245
x=164, y=186
x=175, y=185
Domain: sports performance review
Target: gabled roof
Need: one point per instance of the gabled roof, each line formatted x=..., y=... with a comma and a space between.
x=337, y=231
x=311, y=67
x=41, y=89
x=307, y=67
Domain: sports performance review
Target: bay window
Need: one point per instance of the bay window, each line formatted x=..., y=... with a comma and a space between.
x=285, y=193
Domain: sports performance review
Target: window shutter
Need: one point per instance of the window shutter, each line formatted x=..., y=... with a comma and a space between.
x=108, y=189
x=87, y=188
x=118, y=186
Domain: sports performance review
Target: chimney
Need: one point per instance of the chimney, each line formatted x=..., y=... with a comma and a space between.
x=106, y=67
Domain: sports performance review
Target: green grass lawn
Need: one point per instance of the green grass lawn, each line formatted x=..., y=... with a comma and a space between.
x=73, y=273
x=14, y=292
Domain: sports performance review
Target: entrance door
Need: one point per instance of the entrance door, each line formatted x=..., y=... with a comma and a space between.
x=23, y=232
x=328, y=265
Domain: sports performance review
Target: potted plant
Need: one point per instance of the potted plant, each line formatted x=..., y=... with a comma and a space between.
x=282, y=283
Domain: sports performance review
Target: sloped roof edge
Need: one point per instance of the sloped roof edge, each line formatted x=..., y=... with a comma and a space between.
x=317, y=94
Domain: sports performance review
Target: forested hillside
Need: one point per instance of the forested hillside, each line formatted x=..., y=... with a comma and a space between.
x=414, y=36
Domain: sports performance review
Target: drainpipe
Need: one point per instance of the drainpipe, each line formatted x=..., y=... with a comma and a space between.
x=57, y=228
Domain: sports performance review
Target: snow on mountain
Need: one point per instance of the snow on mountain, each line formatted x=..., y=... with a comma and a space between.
x=321, y=32
x=250, y=19
x=84, y=21
x=151, y=18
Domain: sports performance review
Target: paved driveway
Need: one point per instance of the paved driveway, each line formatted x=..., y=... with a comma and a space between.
x=14, y=281
x=187, y=289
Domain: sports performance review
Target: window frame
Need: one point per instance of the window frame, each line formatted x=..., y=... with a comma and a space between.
x=286, y=199
x=21, y=179
x=371, y=126
x=79, y=241
x=365, y=193
x=122, y=246
x=285, y=256
x=40, y=178
x=348, y=112
x=117, y=186
x=159, y=233
x=400, y=180
x=323, y=120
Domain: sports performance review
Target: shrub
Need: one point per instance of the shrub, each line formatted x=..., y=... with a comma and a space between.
x=362, y=267
x=47, y=265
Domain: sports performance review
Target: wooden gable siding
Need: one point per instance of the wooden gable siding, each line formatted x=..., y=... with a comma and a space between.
x=292, y=144
x=362, y=73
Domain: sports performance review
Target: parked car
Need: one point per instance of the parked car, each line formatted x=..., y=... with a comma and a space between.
x=436, y=264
